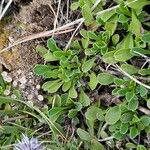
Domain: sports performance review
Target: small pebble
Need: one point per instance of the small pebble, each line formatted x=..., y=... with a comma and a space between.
x=30, y=81
x=14, y=83
x=23, y=80
x=4, y=74
x=40, y=98
x=22, y=86
x=30, y=103
x=36, y=92
x=19, y=71
x=30, y=97
x=30, y=73
x=8, y=79
x=38, y=87
x=6, y=92
x=13, y=96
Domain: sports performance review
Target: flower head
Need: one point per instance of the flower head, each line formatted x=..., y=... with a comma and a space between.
x=28, y=144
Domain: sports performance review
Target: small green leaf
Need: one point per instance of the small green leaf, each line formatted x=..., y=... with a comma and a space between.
x=57, y=100
x=118, y=135
x=95, y=145
x=145, y=120
x=130, y=96
x=66, y=86
x=93, y=81
x=126, y=43
x=138, y=4
x=133, y=132
x=122, y=55
x=41, y=50
x=143, y=91
x=113, y=115
x=105, y=78
x=87, y=65
x=83, y=33
x=85, y=136
x=146, y=37
x=92, y=35
x=126, y=117
x=72, y=92
x=122, y=91
x=100, y=115
x=74, y=6
x=5, y=100
x=75, y=45
x=49, y=57
x=111, y=25
x=51, y=44
x=2, y=83
x=141, y=147
x=91, y=113
x=85, y=42
x=109, y=57
x=140, y=126
x=133, y=104
x=52, y=86
x=115, y=39
x=87, y=14
x=148, y=103
x=119, y=81
x=135, y=26
x=130, y=69
x=106, y=15
x=136, y=50
x=84, y=99
x=130, y=145
x=55, y=112
x=135, y=119
x=41, y=69
x=144, y=72
x=124, y=128
x=72, y=113
x=123, y=9
x=122, y=18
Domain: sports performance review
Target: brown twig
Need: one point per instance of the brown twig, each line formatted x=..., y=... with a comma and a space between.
x=14, y=118
x=36, y=36
x=144, y=110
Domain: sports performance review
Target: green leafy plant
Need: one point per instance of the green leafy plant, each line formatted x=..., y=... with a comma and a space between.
x=99, y=87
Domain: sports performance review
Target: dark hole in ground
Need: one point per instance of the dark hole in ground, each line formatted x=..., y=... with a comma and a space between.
x=147, y=9
x=25, y=2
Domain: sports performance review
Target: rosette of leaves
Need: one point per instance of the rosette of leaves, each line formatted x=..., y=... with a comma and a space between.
x=62, y=69
x=125, y=119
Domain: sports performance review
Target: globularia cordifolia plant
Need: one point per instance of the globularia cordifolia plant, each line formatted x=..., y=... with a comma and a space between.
x=28, y=144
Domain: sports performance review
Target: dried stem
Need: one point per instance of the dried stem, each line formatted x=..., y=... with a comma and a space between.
x=144, y=110
x=132, y=78
x=106, y=139
x=56, y=17
x=5, y=9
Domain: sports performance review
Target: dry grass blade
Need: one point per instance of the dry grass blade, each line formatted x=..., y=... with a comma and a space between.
x=1, y=6
x=56, y=17
x=94, y=6
x=35, y=36
x=132, y=78
x=5, y=9
x=67, y=46
x=48, y=33
x=144, y=110
x=64, y=29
